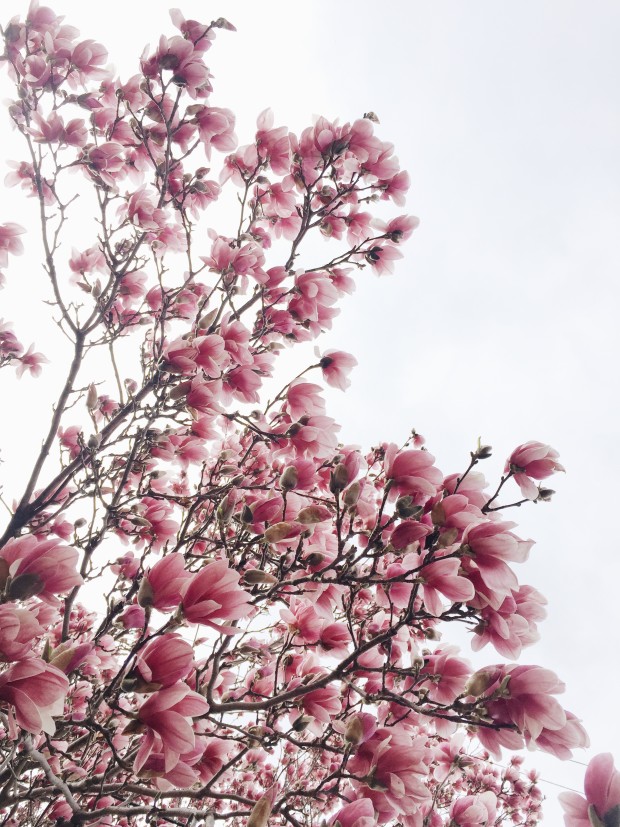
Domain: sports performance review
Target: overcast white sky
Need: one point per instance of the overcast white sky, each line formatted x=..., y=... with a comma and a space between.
x=501, y=322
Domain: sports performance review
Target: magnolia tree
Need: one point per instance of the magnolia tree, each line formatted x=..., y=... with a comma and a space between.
x=211, y=609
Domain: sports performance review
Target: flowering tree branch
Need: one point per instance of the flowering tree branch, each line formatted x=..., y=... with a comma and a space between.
x=268, y=645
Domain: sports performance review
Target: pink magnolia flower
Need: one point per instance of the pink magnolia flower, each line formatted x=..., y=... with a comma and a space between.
x=169, y=713
x=18, y=629
x=392, y=764
x=70, y=438
x=142, y=210
x=412, y=471
x=133, y=617
x=303, y=398
x=216, y=128
x=513, y=625
x=107, y=160
x=273, y=144
x=211, y=354
x=360, y=813
x=165, y=660
x=10, y=242
x=42, y=567
x=448, y=674
x=200, y=34
x=336, y=366
x=323, y=704
x=492, y=546
x=31, y=362
x=526, y=701
x=36, y=691
x=162, y=585
x=87, y=57
x=441, y=577
x=602, y=795
x=474, y=810
x=532, y=460
x=214, y=595
x=382, y=258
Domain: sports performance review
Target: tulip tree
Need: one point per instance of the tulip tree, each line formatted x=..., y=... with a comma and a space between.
x=212, y=610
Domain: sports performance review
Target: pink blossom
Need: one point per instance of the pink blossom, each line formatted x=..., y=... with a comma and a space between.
x=303, y=398
x=214, y=595
x=106, y=160
x=211, y=354
x=31, y=362
x=169, y=713
x=200, y=34
x=474, y=810
x=133, y=617
x=165, y=660
x=323, y=704
x=512, y=625
x=382, y=257
x=493, y=546
x=442, y=576
x=392, y=763
x=336, y=366
x=216, y=128
x=42, y=567
x=412, y=471
x=400, y=228
x=36, y=691
x=162, y=585
x=70, y=438
x=360, y=813
x=18, y=629
x=602, y=794
x=243, y=384
x=396, y=187
x=143, y=210
x=532, y=460
x=273, y=144
x=10, y=242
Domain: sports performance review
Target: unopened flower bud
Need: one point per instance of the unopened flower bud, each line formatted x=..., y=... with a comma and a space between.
x=478, y=683
x=259, y=817
x=225, y=509
x=94, y=441
x=405, y=507
x=354, y=731
x=432, y=634
x=299, y=724
x=352, y=494
x=91, y=397
x=280, y=531
x=338, y=479
x=222, y=23
x=145, y=594
x=545, y=494
x=259, y=577
x=438, y=514
x=289, y=478
x=315, y=558
x=207, y=320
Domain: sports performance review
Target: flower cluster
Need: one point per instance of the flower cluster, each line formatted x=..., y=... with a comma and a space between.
x=211, y=607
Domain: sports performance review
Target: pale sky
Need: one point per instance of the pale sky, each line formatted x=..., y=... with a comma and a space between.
x=501, y=320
